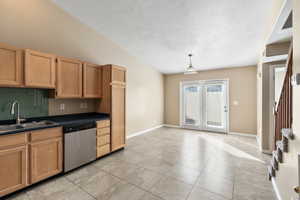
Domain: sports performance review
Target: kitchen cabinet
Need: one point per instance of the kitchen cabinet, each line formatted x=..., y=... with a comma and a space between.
x=69, y=78
x=11, y=67
x=103, y=138
x=13, y=163
x=45, y=154
x=118, y=117
x=113, y=102
x=91, y=81
x=39, y=69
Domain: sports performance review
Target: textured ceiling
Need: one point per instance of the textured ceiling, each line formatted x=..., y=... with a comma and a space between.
x=161, y=33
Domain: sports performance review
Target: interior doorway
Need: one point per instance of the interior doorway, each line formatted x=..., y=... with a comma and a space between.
x=204, y=105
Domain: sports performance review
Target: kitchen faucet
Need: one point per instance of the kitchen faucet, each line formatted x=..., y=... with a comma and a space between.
x=12, y=112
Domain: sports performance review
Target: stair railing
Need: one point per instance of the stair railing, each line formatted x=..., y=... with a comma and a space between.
x=283, y=112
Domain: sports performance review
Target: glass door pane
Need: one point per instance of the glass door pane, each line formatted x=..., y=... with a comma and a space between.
x=191, y=105
x=215, y=104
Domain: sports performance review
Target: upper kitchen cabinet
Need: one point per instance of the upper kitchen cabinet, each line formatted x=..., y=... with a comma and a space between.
x=69, y=78
x=113, y=102
x=11, y=68
x=91, y=80
x=39, y=69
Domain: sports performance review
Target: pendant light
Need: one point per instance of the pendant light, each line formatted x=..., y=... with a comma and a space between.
x=190, y=69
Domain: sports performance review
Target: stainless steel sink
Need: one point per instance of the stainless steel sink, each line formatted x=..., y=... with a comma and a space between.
x=28, y=125
x=6, y=128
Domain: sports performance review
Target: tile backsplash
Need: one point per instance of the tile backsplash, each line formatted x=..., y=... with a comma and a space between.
x=33, y=102
x=71, y=106
x=36, y=103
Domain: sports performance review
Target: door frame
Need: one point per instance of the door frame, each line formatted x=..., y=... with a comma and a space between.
x=181, y=100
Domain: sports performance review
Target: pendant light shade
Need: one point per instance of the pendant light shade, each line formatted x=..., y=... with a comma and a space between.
x=190, y=69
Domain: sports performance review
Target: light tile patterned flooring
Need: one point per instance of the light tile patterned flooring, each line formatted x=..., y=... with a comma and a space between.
x=169, y=164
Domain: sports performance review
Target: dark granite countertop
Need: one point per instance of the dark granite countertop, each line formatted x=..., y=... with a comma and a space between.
x=59, y=120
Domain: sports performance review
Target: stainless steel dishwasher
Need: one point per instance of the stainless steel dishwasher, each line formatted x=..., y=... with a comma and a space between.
x=79, y=144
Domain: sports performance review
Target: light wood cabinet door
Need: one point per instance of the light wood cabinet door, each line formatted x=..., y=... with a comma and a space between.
x=91, y=81
x=13, y=169
x=11, y=69
x=69, y=78
x=45, y=159
x=39, y=69
x=114, y=102
x=118, y=133
x=118, y=74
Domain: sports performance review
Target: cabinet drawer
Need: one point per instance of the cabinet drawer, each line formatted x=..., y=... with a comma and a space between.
x=103, y=131
x=103, y=123
x=46, y=134
x=102, y=140
x=103, y=150
x=13, y=140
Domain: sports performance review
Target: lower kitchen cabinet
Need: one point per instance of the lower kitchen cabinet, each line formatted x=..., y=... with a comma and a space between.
x=103, y=138
x=27, y=158
x=13, y=169
x=103, y=150
x=46, y=157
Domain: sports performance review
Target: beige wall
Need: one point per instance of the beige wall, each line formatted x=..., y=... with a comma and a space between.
x=242, y=88
x=287, y=177
x=41, y=25
x=263, y=131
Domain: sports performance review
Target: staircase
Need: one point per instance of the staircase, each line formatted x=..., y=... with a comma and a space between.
x=283, y=120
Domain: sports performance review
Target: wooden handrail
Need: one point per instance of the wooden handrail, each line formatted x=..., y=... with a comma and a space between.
x=283, y=113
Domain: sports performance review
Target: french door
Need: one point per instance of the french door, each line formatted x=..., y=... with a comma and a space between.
x=204, y=105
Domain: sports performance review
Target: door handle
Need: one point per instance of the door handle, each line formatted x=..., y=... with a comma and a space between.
x=297, y=189
x=225, y=109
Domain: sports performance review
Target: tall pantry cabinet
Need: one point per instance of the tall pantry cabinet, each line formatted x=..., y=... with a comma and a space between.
x=113, y=102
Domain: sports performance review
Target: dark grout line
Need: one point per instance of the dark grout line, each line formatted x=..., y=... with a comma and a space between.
x=83, y=190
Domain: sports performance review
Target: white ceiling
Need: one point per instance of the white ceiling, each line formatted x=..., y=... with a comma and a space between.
x=161, y=33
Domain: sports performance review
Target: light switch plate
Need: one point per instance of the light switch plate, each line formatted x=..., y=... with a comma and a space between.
x=295, y=79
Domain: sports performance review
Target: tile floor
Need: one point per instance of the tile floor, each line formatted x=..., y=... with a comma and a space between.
x=167, y=164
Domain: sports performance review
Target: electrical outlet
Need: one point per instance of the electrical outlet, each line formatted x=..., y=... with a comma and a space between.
x=62, y=106
x=81, y=105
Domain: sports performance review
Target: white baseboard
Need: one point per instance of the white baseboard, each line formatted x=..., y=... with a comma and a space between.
x=276, y=189
x=267, y=151
x=243, y=134
x=171, y=126
x=231, y=133
x=143, y=131
x=258, y=141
